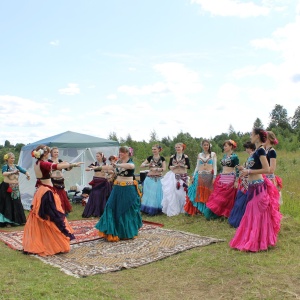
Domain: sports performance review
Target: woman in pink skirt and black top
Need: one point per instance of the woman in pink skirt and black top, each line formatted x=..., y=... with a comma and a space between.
x=221, y=200
x=260, y=224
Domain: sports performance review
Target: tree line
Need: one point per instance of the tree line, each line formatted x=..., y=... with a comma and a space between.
x=287, y=130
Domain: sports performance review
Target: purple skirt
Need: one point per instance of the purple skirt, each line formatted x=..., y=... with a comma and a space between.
x=99, y=194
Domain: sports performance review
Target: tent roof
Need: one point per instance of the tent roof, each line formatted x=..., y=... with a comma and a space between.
x=70, y=139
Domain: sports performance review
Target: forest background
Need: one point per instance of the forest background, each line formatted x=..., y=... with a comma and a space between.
x=286, y=129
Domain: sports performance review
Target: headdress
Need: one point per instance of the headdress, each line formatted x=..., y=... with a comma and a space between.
x=233, y=143
x=38, y=153
x=5, y=157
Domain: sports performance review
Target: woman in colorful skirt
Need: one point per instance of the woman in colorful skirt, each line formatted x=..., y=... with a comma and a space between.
x=240, y=203
x=47, y=230
x=11, y=208
x=101, y=189
x=260, y=224
x=152, y=189
x=221, y=200
x=271, y=157
x=58, y=181
x=203, y=179
x=175, y=182
x=122, y=217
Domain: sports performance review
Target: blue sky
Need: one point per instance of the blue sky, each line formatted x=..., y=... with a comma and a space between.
x=138, y=66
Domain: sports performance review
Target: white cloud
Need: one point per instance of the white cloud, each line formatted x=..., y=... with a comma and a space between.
x=54, y=43
x=228, y=8
x=71, y=90
x=111, y=97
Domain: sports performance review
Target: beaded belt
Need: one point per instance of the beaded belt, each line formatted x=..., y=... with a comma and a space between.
x=124, y=183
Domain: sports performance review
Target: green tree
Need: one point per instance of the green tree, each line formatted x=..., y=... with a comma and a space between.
x=296, y=119
x=153, y=137
x=279, y=118
x=258, y=123
x=113, y=136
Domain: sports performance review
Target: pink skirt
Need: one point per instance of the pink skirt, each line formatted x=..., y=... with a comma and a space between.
x=221, y=200
x=260, y=224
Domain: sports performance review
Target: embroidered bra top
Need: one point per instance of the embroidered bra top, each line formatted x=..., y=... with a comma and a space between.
x=126, y=172
x=97, y=164
x=253, y=161
x=155, y=163
x=210, y=160
x=230, y=161
x=183, y=161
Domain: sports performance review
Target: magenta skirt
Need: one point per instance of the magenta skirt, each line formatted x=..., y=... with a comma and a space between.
x=221, y=200
x=260, y=224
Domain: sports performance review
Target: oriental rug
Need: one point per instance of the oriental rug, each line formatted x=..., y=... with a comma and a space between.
x=83, y=230
x=152, y=244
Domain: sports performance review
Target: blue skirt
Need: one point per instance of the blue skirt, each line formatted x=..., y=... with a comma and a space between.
x=152, y=196
x=238, y=209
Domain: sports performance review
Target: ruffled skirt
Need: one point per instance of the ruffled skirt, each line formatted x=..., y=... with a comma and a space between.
x=198, y=193
x=260, y=224
x=122, y=217
x=174, y=188
x=152, y=196
x=98, y=196
x=221, y=200
x=11, y=208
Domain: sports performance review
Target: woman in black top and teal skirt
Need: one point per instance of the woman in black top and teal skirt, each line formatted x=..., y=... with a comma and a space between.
x=260, y=224
x=122, y=217
x=221, y=200
x=152, y=189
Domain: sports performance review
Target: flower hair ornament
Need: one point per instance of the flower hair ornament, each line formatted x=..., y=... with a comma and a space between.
x=159, y=148
x=264, y=134
x=233, y=143
x=183, y=146
x=275, y=142
x=5, y=157
x=37, y=154
x=130, y=151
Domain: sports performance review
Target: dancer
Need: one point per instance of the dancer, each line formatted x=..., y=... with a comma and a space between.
x=240, y=203
x=58, y=181
x=47, y=230
x=203, y=179
x=101, y=189
x=175, y=182
x=11, y=208
x=152, y=189
x=122, y=217
x=260, y=224
x=221, y=200
x=271, y=157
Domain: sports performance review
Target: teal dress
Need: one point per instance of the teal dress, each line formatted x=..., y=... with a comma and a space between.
x=121, y=218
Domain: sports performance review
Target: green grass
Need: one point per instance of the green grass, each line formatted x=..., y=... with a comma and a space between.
x=211, y=272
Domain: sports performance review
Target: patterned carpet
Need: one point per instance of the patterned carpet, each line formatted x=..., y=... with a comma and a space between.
x=83, y=230
x=153, y=243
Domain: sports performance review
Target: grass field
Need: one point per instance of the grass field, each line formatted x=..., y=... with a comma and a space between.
x=212, y=272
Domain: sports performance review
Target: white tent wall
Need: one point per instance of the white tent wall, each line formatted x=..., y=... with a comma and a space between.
x=77, y=176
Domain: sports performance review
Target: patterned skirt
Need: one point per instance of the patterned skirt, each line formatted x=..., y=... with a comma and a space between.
x=199, y=192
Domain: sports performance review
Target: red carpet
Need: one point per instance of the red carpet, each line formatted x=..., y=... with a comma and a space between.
x=83, y=230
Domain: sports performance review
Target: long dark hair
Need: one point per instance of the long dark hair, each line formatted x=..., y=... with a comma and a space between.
x=262, y=134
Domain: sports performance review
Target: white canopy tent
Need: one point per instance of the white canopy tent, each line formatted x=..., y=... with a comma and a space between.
x=73, y=147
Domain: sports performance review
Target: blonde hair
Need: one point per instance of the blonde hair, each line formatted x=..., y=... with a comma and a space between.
x=8, y=155
x=272, y=137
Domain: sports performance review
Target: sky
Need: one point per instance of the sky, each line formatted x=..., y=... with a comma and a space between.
x=139, y=67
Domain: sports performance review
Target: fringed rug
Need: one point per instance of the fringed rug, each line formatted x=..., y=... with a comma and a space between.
x=84, y=230
x=153, y=243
